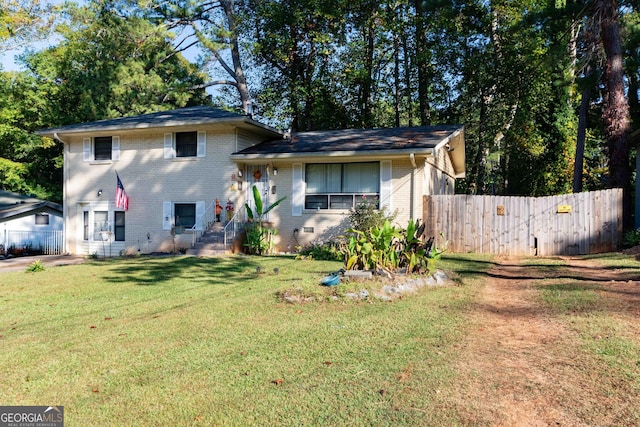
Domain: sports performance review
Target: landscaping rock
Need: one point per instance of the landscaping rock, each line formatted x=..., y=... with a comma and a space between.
x=399, y=286
x=358, y=274
x=411, y=285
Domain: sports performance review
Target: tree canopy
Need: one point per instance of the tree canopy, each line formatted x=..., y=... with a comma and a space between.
x=547, y=91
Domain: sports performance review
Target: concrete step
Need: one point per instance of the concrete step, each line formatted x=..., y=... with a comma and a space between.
x=211, y=238
x=209, y=245
x=207, y=252
x=217, y=226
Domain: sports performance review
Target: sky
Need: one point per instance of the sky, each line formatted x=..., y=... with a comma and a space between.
x=7, y=59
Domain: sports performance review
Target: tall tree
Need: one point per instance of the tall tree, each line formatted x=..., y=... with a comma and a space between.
x=215, y=27
x=28, y=164
x=23, y=21
x=294, y=42
x=616, y=112
x=112, y=62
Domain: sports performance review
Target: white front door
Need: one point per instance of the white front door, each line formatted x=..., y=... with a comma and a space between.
x=258, y=176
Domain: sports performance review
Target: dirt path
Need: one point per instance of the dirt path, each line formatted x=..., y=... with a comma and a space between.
x=520, y=361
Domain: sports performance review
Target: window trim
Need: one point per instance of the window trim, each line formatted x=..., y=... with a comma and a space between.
x=88, y=220
x=122, y=228
x=169, y=213
x=170, y=151
x=89, y=150
x=327, y=205
x=43, y=216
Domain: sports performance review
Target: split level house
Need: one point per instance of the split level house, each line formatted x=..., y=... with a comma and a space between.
x=174, y=165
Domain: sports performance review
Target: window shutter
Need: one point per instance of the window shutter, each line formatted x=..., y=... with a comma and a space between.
x=199, y=214
x=298, y=190
x=168, y=146
x=86, y=149
x=202, y=144
x=385, y=185
x=115, y=148
x=167, y=215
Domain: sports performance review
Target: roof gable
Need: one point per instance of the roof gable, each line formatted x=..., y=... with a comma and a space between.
x=192, y=116
x=381, y=143
x=13, y=205
x=357, y=140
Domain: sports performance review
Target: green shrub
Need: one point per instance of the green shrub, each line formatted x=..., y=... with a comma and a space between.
x=391, y=248
x=326, y=251
x=258, y=238
x=35, y=266
x=631, y=238
x=366, y=215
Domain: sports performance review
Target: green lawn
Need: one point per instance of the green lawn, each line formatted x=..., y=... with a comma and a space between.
x=190, y=341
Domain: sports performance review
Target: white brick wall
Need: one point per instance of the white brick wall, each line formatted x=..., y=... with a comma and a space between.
x=150, y=180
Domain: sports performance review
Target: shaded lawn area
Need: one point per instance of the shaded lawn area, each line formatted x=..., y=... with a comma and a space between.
x=181, y=341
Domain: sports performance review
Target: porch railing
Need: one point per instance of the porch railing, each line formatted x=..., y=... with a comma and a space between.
x=235, y=225
x=203, y=222
x=231, y=229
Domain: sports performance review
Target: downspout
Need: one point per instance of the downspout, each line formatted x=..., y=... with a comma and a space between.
x=65, y=208
x=412, y=159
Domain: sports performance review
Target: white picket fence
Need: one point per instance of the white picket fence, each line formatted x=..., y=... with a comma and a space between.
x=37, y=242
x=568, y=224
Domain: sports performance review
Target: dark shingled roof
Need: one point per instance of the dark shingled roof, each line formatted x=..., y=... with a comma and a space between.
x=180, y=117
x=357, y=140
x=14, y=205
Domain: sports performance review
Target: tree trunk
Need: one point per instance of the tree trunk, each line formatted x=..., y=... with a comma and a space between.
x=582, y=131
x=396, y=78
x=422, y=62
x=479, y=169
x=408, y=82
x=616, y=111
x=238, y=72
x=367, y=84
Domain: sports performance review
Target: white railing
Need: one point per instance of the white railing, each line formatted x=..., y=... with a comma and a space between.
x=235, y=225
x=203, y=222
x=32, y=242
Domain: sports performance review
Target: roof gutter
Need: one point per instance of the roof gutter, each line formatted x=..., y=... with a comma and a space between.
x=302, y=155
x=56, y=136
x=164, y=125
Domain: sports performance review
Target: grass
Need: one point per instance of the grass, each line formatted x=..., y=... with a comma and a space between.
x=606, y=329
x=180, y=341
x=190, y=341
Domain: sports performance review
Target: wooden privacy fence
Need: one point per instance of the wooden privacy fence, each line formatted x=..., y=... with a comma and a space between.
x=569, y=224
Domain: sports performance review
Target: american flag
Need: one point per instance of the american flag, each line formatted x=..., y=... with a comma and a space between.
x=122, y=200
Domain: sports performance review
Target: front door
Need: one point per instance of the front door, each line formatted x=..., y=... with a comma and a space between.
x=258, y=176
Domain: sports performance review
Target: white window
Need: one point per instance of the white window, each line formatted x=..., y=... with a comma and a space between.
x=341, y=185
x=185, y=144
x=182, y=215
x=98, y=225
x=101, y=149
x=42, y=219
x=101, y=225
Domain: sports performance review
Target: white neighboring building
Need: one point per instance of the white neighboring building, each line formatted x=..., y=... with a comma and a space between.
x=29, y=226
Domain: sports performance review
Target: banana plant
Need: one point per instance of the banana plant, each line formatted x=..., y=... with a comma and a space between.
x=372, y=249
x=258, y=237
